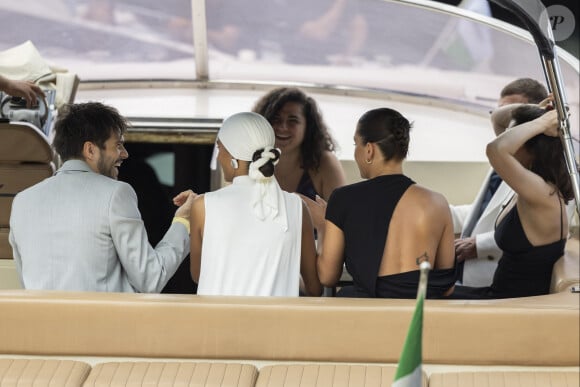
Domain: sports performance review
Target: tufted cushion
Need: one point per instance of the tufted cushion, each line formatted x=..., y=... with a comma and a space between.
x=505, y=379
x=42, y=373
x=183, y=374
x=328, y=375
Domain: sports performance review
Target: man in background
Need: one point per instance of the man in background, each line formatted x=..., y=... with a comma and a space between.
x=476, y=249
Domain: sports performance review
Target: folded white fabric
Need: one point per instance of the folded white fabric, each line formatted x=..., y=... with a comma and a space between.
x=243, y=134
x=23, y=62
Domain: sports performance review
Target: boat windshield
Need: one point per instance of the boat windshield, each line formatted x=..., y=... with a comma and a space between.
x=415, y=47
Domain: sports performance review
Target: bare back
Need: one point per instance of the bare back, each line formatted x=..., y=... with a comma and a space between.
x=421, y=226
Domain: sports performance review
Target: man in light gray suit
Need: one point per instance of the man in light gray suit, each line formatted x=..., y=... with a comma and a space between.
x=81, y=229
x=476, y=222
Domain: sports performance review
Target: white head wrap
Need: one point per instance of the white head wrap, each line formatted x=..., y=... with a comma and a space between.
x=243, y=134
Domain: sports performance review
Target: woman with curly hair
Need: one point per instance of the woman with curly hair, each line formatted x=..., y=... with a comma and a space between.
x=307, y=164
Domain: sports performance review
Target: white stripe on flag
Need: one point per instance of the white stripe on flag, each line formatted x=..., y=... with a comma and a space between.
x=411, y=380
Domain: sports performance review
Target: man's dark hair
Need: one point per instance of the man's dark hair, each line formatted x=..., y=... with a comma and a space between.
x=533, y=90
x=81, y=122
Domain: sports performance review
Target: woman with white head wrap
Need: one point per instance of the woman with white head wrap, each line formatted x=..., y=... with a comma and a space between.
x=251, y=238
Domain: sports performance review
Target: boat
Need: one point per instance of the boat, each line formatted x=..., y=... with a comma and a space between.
x=176, y=69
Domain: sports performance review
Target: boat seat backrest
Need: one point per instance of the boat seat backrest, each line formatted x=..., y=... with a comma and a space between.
x=23, y=142
x=15, y=178
x=26, y=158
x=273, y=328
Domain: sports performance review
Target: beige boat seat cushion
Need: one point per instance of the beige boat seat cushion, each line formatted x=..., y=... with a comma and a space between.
x=5, y=248
x=15, y=178
x=328, y=375
x=22, y=142
x=26, y=158
x=42, y=373
x=505, y=379
x=183, y=374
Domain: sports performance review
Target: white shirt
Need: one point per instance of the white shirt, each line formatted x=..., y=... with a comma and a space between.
x=243, y=255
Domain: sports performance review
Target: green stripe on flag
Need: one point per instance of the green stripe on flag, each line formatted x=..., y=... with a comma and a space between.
x=411, y=356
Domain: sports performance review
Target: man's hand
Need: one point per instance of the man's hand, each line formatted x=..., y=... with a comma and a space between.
x=184, y=200
x=24, y=89
x=465, y=249
x=547, y=102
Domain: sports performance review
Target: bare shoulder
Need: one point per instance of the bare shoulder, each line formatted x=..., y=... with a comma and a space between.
x=329, y=163
x=329, y=176
x=427, y=198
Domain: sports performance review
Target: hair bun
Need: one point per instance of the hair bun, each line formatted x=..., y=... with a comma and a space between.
x=263, y=162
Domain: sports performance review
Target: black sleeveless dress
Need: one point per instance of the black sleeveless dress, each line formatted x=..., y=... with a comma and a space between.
x=363, y=211
x=306, y=186
x=523, y=270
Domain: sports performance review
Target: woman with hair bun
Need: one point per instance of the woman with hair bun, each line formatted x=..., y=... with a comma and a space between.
x=385, y=226
x=250, y=238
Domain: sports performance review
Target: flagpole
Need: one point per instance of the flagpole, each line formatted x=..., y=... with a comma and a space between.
x=425, y=266
x=535, y=17
x=409, y=370
x=554, y=78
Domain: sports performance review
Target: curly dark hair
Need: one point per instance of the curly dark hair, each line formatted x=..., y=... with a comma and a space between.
x=80, y=122
x=388, y=129
x=316, y=136
x=547, y=152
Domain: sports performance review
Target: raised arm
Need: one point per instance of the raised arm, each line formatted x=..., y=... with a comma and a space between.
x=501, y=117
x=502, y=156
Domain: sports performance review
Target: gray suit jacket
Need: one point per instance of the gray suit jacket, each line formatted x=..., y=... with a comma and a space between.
x=79, y=230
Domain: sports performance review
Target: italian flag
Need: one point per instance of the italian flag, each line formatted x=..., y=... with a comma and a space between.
x=409, y=371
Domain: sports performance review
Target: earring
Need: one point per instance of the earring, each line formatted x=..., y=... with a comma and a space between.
x=234, y=163
x=369, y=161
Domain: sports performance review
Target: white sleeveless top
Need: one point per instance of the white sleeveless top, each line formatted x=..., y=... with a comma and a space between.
x=244, y=256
